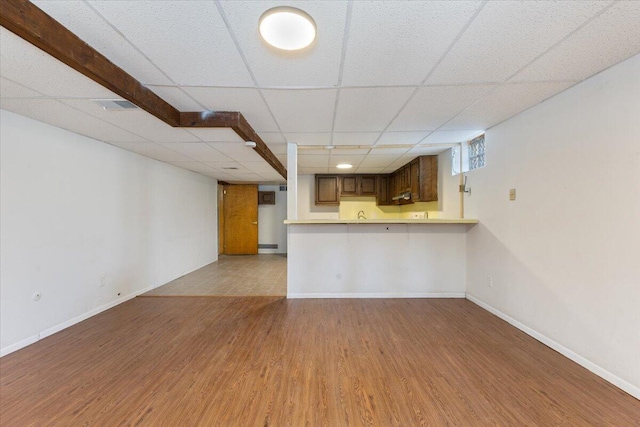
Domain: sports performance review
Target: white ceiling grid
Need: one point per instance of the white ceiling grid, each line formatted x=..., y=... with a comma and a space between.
x=384, y=81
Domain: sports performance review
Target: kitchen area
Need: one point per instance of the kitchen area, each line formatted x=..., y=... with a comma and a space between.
x=393, y=235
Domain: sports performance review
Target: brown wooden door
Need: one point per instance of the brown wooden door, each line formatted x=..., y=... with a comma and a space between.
x=241, y=219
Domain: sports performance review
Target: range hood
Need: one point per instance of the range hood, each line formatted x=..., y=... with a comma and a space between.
x=406, y=195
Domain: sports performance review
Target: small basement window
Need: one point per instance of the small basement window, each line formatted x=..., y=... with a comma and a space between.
x=476, y=153
x=472, y=158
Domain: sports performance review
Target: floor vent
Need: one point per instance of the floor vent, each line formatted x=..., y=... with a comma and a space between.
x=268, y=246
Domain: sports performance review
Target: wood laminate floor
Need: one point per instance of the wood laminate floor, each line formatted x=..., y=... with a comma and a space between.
x=274, y=362
x=232, y=275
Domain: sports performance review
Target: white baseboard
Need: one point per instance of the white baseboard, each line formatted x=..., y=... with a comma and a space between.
x=376, y=295
x=599, y=371
x=57, y=328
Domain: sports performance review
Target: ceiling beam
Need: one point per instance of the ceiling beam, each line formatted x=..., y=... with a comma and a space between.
x=29, y=22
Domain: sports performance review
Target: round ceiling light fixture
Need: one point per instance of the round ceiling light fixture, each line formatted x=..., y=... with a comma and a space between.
x=287, y=28
x=344, y=166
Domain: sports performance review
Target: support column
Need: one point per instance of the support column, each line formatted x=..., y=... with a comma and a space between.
x=292, y=180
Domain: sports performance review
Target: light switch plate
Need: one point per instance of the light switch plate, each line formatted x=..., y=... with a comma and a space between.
x=512, y=194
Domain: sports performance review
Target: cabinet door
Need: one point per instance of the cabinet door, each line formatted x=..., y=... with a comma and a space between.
x=327, y=192
x=415, y=180
x=428, y=178
x=406, y=178
x=349, y=185
x=368, y=185
x=383, y=190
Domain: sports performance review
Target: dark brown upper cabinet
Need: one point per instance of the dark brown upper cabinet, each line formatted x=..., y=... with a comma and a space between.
x=358, y=185
x=383, y=197
x=327, y=190
x=424, y=179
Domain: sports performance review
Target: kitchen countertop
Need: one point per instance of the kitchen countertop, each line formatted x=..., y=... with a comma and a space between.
x=383, y=221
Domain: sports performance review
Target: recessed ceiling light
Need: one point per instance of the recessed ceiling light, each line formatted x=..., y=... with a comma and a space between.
x=344, y=166
x=287, y=28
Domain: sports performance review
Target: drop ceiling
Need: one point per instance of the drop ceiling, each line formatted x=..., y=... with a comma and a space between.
x=383, y=83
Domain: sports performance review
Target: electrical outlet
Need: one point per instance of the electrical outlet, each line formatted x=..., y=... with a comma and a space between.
x=512, y=194
x=489, y=281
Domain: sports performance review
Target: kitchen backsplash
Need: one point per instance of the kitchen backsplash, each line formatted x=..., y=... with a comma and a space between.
x=350, y=206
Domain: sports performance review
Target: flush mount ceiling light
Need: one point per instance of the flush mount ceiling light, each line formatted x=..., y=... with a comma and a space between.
x=344, y=166
x=287, y=28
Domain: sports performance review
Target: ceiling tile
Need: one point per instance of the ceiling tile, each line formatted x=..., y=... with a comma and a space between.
x=57, y=114
x=9, y=89
x=247, y=101
x=302, y=110
x=309, y=138
x=609, y=39
x=136, y=121
x=215, y=134
x=337, y=158
x=33, y=68
x=355, y=138
x=397, y=43
x=426, y=151
x=277, y=148
x=312, y=171
x=451, y=136
x=259, y=167
x=506, y=35
x=378, y=150
x=314, y=161
x=194, y=166
x=505, y=102
x=318, y=65
x=185, y=39
x=197, y=151
x=153, y=150
x=378, y=160
x=83, y=21
x=177, y=98
x=352, y=150
x=237, y=151
x=272, y=137
x=401, y=137
x=250, y=177
x=433, y=106
x=363, y=110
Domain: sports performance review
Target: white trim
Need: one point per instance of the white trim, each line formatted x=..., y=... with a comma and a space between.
x=376, y=295
x=599, y=371
x=57, y=328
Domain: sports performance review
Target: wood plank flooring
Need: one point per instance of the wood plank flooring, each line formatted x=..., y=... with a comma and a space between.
x=262, y=361
x=232, y=275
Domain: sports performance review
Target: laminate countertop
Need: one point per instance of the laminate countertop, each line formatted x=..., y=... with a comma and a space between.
x=382, y=221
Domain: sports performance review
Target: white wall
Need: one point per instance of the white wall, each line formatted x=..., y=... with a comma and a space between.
x=448, y=188
x=89, y=225
x=565, y=256
x=376, y=260
x=271, y=227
